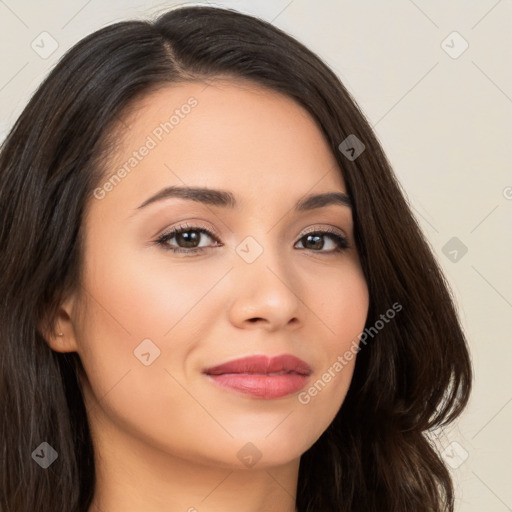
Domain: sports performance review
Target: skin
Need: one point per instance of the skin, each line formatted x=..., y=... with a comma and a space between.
x=165, y=437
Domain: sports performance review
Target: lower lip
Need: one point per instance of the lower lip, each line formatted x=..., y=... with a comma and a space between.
x=262, y=386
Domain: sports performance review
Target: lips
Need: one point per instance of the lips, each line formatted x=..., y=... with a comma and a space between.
x=262, y=376
x=262, y=365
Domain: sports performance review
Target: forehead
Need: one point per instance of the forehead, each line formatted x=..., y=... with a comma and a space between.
x=227, y=134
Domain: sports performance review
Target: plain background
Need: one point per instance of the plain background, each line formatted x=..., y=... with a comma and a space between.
x=440, y=112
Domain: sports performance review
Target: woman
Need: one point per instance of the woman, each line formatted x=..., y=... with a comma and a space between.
x=214, y=293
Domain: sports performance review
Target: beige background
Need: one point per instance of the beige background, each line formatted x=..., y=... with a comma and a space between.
x=444, y=121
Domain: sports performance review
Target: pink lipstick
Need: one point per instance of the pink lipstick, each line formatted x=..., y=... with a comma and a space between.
x=262, y=376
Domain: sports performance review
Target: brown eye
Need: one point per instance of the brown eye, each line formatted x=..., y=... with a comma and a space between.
x=315, y=241
x=187, y=239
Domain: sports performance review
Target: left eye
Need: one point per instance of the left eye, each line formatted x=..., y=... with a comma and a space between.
x=315, y=238
x=188, y=238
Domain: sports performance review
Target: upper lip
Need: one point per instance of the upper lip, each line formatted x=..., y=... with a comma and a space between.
x=262, y=364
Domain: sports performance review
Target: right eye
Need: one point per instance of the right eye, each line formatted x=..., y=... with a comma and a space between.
x=186, y=235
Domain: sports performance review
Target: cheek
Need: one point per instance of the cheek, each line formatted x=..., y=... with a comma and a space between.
x=135, y=309
x=339, y=300
x=138, y=328
x=341, y=308
x=149, y=295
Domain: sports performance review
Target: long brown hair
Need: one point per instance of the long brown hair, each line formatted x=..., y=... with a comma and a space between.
x=412, y=376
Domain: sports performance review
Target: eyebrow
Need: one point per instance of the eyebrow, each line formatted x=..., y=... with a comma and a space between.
x=225, y=199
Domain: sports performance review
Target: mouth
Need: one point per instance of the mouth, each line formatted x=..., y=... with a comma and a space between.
x=262, y=376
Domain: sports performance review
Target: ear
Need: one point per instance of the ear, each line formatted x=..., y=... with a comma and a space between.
x=64, y=337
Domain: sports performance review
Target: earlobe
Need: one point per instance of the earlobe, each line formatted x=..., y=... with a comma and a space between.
x=62, y=342
x=63, y=338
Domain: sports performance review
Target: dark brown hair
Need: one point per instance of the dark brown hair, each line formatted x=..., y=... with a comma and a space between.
x=413, y=376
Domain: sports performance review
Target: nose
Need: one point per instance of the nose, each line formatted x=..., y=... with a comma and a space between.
x=265, y=295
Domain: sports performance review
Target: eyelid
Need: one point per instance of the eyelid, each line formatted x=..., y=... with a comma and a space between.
x=328, y=229
x=189, y=225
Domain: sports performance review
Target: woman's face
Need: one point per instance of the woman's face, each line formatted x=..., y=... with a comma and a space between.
x=147, y=322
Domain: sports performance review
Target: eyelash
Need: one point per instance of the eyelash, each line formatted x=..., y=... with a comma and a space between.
x=341, y=241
